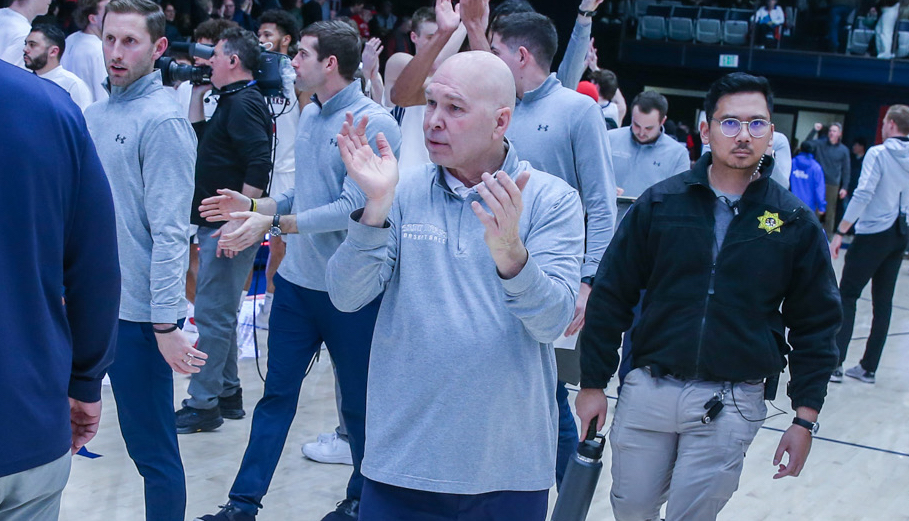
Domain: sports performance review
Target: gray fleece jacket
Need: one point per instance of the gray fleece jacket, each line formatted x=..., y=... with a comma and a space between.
x=462, y=374
x=562, y=132
x=148, y=150
x=876, y=203
x=638, y=167
x=323, y=196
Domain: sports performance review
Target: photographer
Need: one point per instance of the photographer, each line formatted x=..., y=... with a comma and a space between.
x=234, y=152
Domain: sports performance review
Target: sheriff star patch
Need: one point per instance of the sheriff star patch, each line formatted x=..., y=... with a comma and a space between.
x=770, y=222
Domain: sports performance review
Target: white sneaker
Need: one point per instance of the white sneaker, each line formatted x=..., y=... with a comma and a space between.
x=189, y=325
x=262, y=319
x=328, y=449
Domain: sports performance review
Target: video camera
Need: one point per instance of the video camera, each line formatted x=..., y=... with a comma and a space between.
x=271, y=74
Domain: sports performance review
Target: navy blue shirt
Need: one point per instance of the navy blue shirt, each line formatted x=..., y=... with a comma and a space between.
x=58, y=241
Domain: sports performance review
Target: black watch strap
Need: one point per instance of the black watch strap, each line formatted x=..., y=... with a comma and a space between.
x=276, y=221
x=587, y=14
x=811, y=426
x=587, y=280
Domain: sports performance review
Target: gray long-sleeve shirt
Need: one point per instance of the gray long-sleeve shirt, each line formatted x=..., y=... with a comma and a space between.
x=323, y=196
x=571, y=69
x=148, y=149
x=640, y=166
x=462, y=361
x=834, y=159
x=562, y=132
x=876, y=202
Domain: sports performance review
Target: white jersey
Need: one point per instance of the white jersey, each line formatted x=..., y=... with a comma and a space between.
x=285, y=132
x=14, y=29
x=611, y=111
x=71, y=83
x=84, y=57
x=183, y=94
x=413, y=144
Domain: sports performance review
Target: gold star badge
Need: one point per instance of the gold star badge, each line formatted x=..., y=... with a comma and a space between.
x=770, y=222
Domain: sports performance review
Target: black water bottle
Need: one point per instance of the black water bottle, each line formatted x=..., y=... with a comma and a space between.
x=581, y=478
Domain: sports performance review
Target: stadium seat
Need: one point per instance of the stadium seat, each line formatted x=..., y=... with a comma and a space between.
x=902, y=39
x=681, y=23
x=735, y=29
x=709, y=28
x=859, y=37
x=652, y=26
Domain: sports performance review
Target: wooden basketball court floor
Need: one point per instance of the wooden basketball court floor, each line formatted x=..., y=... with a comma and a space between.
x=858, y=469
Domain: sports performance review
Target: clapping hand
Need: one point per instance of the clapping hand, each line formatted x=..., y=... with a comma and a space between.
x=376, y=175
x=371, y=51
x=503, y=197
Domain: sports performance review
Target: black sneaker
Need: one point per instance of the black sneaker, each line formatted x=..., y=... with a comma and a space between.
x=837, y=375
x=190, y=420
x=228, y=513
x=232, y=406
x=347, y=510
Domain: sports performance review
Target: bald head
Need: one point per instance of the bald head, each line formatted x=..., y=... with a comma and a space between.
x=469, y=103
x=482, y=76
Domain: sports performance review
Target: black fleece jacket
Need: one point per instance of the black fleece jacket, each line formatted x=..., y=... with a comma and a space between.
x=722, y=320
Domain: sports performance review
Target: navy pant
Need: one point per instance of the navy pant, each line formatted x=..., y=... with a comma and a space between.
x=143, y=386
x=301, y=319
x=383, y=502
x=568, y=433
x=874, y=257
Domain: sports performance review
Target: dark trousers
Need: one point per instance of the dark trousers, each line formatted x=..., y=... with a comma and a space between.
x=301, y=319
x=143, y=386
x=568, y=433
x=838, y=16
x=875, y=257
x=383, y=502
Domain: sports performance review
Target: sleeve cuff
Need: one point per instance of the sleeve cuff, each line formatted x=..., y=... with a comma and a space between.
x=524, y=279
x=365, y=237
x=593, y=383
x=284, y=204
x=169, y=315
x=589, y=269
x=84, y=390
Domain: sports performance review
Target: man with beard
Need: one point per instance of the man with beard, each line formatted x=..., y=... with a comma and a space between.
x=642, y=154
x=15, y=24
x=44, y=47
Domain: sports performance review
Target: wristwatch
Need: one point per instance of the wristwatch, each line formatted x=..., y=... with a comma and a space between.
x=812, y=427
x=275, y=230
x=586, y=14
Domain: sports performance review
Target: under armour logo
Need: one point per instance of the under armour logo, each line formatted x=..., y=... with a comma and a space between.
x=333, y=142
x=120, y=139
x=655, y=163
x=543, y=128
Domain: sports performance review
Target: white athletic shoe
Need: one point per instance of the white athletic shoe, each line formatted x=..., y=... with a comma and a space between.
x=329, y=448
x=262, y=319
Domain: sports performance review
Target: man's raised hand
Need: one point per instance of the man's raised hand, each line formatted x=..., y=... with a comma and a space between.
x=448, y=17
x=376, y=175
x=503, y=197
